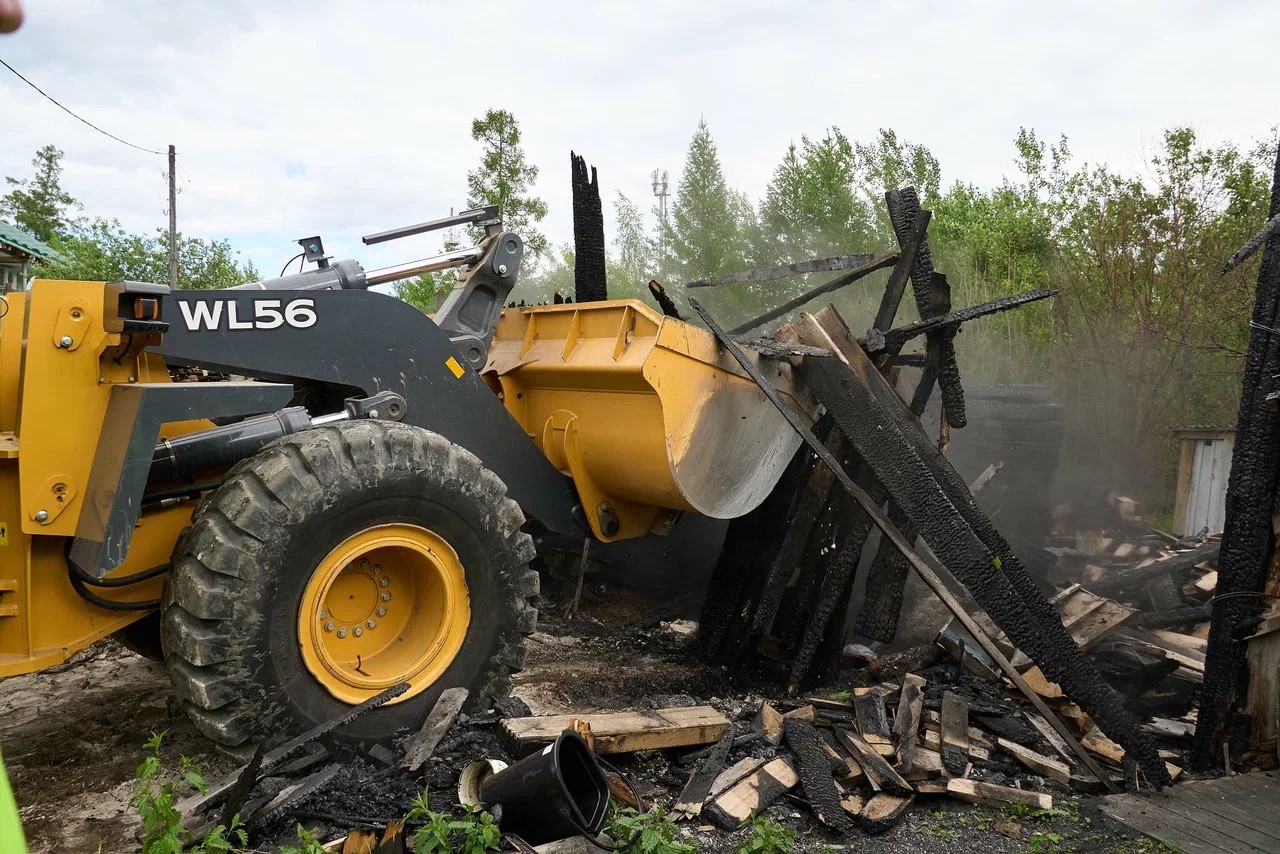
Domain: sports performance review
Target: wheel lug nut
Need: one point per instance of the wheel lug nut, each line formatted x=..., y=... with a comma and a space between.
x=386, y=596
x=328, y=627
x=342, y=632
x=383, y=581
x=364, y=564
x=382, y=612
x=373, y=624
x=377, y=569
x=358, y=631
x=324, y=615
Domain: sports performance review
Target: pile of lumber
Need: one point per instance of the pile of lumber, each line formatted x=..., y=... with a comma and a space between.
x=857, y=760
x=1138, y=606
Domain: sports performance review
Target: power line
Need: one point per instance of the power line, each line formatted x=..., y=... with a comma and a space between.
x=74, y=115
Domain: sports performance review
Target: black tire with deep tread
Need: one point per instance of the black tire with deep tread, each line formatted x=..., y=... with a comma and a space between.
x=229, y=622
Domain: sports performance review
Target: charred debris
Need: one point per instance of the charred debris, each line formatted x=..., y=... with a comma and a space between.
x=1075, y=665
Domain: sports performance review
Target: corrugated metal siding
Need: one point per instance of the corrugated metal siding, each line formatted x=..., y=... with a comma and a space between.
x=1207, y=499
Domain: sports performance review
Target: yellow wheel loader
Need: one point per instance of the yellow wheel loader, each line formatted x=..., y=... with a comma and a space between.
x=302, y=492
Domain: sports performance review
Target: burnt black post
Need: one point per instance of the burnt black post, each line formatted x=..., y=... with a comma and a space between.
x=1247, y=540
x=588, y=234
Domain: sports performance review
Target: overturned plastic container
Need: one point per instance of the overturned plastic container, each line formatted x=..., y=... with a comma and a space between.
x=558, y=792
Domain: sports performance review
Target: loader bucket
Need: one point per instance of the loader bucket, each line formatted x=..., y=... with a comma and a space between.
x=645, y=412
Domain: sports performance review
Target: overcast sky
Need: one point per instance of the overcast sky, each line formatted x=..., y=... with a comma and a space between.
x=343, y=118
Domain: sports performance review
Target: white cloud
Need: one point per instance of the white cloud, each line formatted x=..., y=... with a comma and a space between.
x=293, y=118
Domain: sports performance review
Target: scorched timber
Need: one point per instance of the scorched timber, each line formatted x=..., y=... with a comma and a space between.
x=1248, y=538
x=1109, y=704
x=936, y=499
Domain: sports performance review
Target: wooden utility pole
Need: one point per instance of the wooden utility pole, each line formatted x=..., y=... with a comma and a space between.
x=173, y=219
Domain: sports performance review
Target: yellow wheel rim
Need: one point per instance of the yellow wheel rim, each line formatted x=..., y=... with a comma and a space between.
x=387, y=605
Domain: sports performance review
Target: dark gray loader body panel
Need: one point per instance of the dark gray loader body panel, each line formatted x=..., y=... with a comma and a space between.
x=372, y=342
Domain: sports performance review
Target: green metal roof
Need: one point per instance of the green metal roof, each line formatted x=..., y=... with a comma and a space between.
x=19, y=239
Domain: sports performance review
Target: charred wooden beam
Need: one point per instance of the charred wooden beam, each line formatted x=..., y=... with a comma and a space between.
x=750, y=546
x=698, y=789
x=768, y=274
x=955, y=734
x=906, y=726
x=1119, y=580
x=1248, y=540
x=1104, y=700
x=1171, y=619
x=934, y=496
x=812, y=294
x=665, y=302
x=589, y=284
x=897, y=284
x=894, y=339
x=933, y=298
x=815, y=775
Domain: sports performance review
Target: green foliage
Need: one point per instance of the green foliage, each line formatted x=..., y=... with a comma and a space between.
x=104, y=251
x=506, y=179
x=707, y=233
x=940, y=831
x=1043, y=842
x=766, y=836
x=813, y=206
x=469, y=830
x=39, y=205
x=162, y=831
x=650, y=832
x=636, y=253
x=425, y=291
x=309, y=843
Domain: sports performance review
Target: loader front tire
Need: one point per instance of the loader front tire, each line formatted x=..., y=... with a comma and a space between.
x=336, y=563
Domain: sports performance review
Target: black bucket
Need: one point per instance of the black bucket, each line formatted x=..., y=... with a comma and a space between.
x=556, y=793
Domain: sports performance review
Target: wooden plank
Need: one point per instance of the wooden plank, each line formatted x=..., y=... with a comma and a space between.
x=990, y=795
x=933, y=721
x=853, y=804
x=873, y=724
x=1148, y=815
x=1170, y=728
x=883, y=811
x=955, y=733
x=768, y=274
x=880, y=774
x=769, y=722
x=925, y=765
x=625, y=732
x=752, y=793
x=906, y=726
x=1183, y=643
x=932, y=739
x=1042, y=686
x=1042, y=765
x=1102, y=619
x=1233, y=803
x=1098, y=743
x=1208, y=582
x=734, y=773
x=698, y=788
x=435, y=726
x=1047, y=732
x=804, y=713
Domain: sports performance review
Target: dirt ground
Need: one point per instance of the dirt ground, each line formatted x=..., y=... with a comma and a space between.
x=72, y=739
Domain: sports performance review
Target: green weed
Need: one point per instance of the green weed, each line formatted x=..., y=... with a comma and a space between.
x=310, y=843
x=766, y=837
x=162, y=831
x=650, y=832
x=467, y=830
